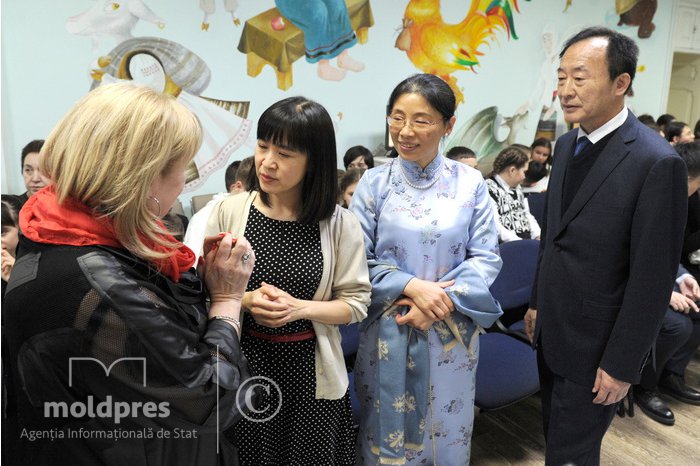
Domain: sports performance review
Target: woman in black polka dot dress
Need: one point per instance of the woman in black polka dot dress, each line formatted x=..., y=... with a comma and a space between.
x=310, y=276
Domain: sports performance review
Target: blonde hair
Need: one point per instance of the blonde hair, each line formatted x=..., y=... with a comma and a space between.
x=109, y=148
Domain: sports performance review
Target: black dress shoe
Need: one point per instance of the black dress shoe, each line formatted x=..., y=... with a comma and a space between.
x=675, y=386
x=653, y=406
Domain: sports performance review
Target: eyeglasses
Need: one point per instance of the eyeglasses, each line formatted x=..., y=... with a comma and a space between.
x=398, y=122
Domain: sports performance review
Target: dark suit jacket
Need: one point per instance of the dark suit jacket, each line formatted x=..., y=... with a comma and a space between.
x=607, y=265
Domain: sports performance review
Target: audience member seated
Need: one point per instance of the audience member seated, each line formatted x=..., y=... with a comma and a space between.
x=358, y=157
x=646, y=119
x=665, y=119
x=509, y=203
x=697, y=130
x=33, y=179
x=679, y=336
x=536, y=178
x=678, y=131
x=462, y=154
x=10, y=236
x=348, y=183
x=99, y=283
x=237, y=181
x=541, y=151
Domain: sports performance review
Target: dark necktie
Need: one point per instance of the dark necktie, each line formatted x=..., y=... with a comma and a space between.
x=581, y=145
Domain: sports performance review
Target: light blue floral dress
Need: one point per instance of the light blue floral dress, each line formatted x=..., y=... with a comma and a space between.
x=416, y=389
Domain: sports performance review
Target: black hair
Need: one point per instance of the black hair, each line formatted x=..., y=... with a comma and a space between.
x=245, y=171
x=535, y=172
x=665, y=119
x=697, y=130
x=654, y=126
x=350, y=177
x=33, y=146
x=355, y=152
x=11, y=206
x=690, y=153
x=433, y=89
x=674, y=129
x=230, y=175
x=620, y=54
x=646, y=119
x=305, y=126
x=460, y=152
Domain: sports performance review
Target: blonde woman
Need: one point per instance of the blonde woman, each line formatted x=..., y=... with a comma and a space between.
x=104, y=314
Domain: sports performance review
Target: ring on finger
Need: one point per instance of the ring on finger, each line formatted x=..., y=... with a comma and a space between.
x=246, y=257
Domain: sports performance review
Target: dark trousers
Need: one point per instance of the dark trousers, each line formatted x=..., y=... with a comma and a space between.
x=680, y=359
x=675, y=332
x=573, y=426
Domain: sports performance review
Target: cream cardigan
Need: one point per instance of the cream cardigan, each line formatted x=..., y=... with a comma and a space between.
x=345, y=277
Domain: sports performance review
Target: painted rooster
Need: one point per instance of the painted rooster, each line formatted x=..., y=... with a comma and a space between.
x=439, y=48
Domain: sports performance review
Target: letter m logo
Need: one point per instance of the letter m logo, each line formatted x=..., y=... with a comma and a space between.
x=105, y=368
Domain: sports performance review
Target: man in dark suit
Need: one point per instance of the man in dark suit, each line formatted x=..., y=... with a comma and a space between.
x=614, y=217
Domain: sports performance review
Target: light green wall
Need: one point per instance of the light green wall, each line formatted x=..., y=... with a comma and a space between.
x=45, y=68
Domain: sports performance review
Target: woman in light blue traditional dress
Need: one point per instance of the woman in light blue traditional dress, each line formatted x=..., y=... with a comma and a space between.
x=432, y=248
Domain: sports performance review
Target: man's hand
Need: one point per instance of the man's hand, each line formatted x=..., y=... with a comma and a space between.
x=609, y=390
x=530, y=321
x=681, y=303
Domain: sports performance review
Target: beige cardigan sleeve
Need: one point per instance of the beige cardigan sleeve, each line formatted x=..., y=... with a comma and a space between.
x=345, y=277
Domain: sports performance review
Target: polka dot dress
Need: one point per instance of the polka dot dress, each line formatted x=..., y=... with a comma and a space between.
x=306, y=430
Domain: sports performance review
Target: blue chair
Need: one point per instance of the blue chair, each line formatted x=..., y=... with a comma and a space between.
x=513, y=285
x=507, y=371
x=536, y=203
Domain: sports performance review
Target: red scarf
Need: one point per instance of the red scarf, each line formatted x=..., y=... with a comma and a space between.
x=73, y=223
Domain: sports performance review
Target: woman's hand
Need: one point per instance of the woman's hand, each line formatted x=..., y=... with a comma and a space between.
x=430, y=297
x=8, y=262
x=414, y=317
x=265, y=306
x=227, y=266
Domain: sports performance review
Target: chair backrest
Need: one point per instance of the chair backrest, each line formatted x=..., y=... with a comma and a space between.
x=513, y=285
x=349, y=338
x=536, y=203
x=197, y=202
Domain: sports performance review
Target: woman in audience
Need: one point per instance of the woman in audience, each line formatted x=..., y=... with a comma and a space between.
x=106, y=315
x=358, y=157
x=432, y=247
x=310, y=277
x=10, y=236
x=541, y=151
x=348, y=184
x=514, y=218
x=677, y=131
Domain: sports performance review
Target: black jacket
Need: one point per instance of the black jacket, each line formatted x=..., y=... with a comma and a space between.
x=74, y=314
x=607, y=264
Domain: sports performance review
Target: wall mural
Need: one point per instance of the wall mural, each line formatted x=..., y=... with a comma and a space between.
x=487, y=133
x=111, y=19
x=209, y=8
x=171, y=68
x=634, y=13
x=439, y=48
x=319, y=30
